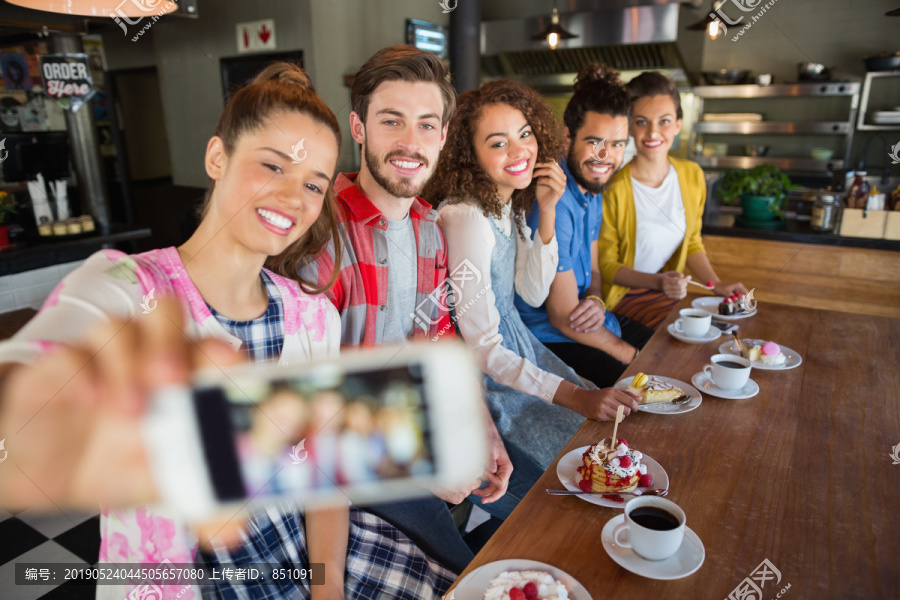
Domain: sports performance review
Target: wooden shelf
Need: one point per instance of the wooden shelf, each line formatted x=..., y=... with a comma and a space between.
x=745, y=127
x=785, y=164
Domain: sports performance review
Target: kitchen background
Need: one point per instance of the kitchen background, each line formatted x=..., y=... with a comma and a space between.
x=164, y=89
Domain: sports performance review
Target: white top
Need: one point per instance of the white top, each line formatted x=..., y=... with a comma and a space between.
x=661, y=224
x=469, y=238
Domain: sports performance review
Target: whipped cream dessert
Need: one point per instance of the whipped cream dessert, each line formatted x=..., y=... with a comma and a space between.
x=525, y=585
x=612, y=470
x=762, y=351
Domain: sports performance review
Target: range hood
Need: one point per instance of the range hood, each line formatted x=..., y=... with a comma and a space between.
x=627, y=37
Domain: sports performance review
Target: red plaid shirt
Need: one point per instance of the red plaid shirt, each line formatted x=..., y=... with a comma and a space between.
x=360, y=293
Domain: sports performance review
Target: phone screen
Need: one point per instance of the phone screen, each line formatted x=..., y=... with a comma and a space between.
x=324, y=429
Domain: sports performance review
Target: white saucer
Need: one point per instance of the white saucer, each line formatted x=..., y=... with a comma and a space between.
x=667, y=408
x=713, y=334
x=711, y=305
x=750, y=389
x=473, y=585
x=687, y=560
x=567, y=471
x=793, y=358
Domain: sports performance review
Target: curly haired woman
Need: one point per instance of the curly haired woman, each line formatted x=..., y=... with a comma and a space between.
x=498, y=158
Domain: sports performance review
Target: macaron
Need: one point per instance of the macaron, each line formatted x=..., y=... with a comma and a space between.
x=771, y=349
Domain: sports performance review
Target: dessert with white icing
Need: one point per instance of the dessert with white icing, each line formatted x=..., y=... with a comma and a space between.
x=762, y=351
x=612, y=470
x=526, y=585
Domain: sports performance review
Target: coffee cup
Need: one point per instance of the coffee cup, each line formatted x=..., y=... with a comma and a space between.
x=693, y=322
x=655, y=527
x=727, y=371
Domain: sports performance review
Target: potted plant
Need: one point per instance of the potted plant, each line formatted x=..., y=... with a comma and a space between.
x=7, y=207
x=762, y=191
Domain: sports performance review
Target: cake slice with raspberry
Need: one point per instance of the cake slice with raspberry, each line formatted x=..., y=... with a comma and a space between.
x=610, y=470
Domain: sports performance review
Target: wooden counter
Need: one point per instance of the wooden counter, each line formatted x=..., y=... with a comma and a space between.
x=45, y=252
x=799, y=474
x=857, y=280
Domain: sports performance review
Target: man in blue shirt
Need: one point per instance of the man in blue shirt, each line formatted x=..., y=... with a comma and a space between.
x=573, y=323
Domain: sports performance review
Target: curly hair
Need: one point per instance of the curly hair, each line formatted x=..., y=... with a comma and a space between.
x=459, y=177
x=599, y=89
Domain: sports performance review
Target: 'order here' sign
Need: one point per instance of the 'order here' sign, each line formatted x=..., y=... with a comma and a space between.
x=67, y=79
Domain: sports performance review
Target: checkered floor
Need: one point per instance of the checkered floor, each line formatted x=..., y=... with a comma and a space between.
x=47, y=538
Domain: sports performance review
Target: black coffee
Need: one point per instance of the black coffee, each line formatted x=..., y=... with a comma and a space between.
x=731, y=364
x=654, y=518
x=697, y=316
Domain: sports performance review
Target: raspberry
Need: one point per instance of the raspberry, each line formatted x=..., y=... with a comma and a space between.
x=625, y=462
x=710, y=284
x=516, y=594
x=613, y=497
x=646, y=481
x=621, y=441
x=585, y=485
x=531, y=590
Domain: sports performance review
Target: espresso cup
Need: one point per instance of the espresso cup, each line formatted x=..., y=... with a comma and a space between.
x=728, y=371
x=693, y=322
x=655, y=527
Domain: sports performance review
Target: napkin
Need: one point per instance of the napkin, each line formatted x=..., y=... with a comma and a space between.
x=61, y=195
x=42, y=212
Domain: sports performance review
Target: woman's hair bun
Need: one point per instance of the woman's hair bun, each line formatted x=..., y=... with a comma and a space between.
x=595, y=72
x=284, y=72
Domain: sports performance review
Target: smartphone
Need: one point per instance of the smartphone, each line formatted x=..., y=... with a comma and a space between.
x=374, y=425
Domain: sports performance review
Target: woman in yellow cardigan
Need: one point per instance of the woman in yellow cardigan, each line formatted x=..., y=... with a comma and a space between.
x=652, y=214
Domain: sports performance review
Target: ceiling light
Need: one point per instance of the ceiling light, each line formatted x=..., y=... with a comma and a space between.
x=101, y=8
x=710, y=23
x=554, y=32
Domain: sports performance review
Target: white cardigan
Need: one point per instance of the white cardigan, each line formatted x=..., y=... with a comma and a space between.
x=469, y=238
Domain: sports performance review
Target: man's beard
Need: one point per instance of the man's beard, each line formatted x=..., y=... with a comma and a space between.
x=576, y=169
x=405, y=188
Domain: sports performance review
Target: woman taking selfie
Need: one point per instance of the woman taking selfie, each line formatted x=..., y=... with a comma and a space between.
x=82, y=370
x=500, y=154
x=652, y=214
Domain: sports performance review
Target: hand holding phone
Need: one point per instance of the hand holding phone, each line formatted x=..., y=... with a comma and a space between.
x=75, y=416
x=372, y=426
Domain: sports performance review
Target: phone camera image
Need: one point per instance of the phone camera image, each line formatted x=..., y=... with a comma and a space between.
x=322, y=430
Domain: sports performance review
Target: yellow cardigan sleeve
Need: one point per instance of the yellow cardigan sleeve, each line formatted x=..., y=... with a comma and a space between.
x=695, y=197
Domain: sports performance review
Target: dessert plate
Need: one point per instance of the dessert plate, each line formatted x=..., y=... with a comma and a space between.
x=711, y=305
x=685, y=561
x=702, y=381
x=567, y=471
x=712, y=334
x=667, y=408
x=793, y=357
x=473, y=585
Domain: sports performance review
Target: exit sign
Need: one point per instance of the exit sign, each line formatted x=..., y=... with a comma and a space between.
x=256, y=35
